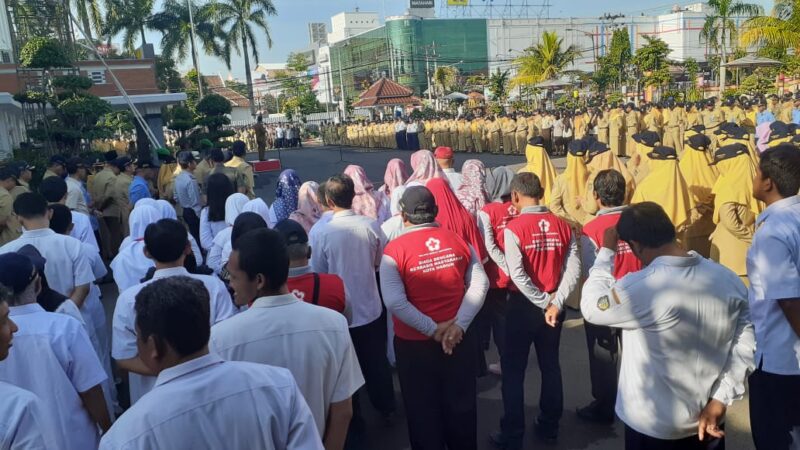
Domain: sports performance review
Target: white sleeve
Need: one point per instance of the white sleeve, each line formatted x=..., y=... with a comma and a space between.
x=350, y=378
x=123, y=328
x=303, y=433
x=497, y=255
x=394, y=296
x=477, y=286
x=25, y=428
x=206, y=234
x=570, y=275
x=730, y=385
x=85, y=370
x=222, y=303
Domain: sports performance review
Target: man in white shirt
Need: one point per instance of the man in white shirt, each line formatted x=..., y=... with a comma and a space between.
x=167, y=244
x=688, y=341
x=444, y=157
x=280, y=133
x=54, y=190
x=773, y=267
x=22, y=415
x=54, y=359
x=400, y=133
x=351, y=246
x=281, y=330
x=199, y=400
x=67, y=269
x=76, y=176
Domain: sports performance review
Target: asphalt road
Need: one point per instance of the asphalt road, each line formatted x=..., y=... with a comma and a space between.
x=318, y=163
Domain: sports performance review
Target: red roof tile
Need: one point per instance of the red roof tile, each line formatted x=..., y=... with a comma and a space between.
x=386, y=92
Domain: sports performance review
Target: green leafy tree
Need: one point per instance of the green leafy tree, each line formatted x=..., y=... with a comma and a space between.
x=498, y=85
x=43, y=53
x=545, y=60
x=719, y=29
x=445, y=78
x=167, y=76
x=212, y=113
x=619, y=54
x=238, y=21
x=777, y=32
x=129, y=18
x=91, y=16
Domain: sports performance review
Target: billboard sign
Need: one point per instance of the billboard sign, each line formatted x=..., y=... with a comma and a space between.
x=422, y=3
x=457, y=2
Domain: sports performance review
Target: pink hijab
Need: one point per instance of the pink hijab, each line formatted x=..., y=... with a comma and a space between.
x=308, y=208
x=762, y=135
x=395, y=176
x=472, y=193
x=425, y=168
x=367, y=202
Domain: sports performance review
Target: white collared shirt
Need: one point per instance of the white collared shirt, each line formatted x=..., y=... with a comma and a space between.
x=317, y=228
x=454, y=178
x=21, y=424
x=53, y=358
x=773, y=267
x=687, y=335
x=311, y=341
x=209, y=403
x=66, y=266
x=82, y=229
x=123, y=340
x=351, y=246
x=75, y=199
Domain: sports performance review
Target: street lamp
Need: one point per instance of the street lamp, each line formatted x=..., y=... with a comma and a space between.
x=594, y=47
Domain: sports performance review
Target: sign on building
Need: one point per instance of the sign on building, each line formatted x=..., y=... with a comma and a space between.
x=422, y=4
x=457, y=2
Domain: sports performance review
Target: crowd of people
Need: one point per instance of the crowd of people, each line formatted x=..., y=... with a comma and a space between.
x=246, y=325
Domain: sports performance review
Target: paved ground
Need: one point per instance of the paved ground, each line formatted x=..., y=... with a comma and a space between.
x=320, y=162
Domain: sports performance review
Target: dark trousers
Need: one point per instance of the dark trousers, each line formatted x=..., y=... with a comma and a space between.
x=192, y=222
x=262, y=148
x=413, y=141
x=525, y=325
x=400, y=139
x=439, y=393
x=114, y=226
x=603, y=344
x=369, y=342
x=638, y=441
x=491, y=322
x=775, y=410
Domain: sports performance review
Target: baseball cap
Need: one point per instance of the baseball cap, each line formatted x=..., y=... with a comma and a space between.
x=443, y=153
x=17, y=271
x=122, y=162
x=292, y=232
x=728, y=152
x=418, y=200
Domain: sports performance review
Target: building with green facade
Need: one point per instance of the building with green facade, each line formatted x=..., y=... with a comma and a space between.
x=408, y=49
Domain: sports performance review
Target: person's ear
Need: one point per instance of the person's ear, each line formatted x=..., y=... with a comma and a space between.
x=261, y=282
x=147, y=253
x=49, y=214
x=330, y=203
x=70, y=228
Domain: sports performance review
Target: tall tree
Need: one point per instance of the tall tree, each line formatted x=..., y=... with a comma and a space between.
x=719, y=29
x=238, y=20
x=129, y=18
x=544, y=60
x=445, y=78
x=91, y=16
x=498, y=85
x=780, y=30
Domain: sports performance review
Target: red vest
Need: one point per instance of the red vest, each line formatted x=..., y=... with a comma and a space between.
x=330, y=294
x=624, y=261
x=544, y=243
x=432, y=263
x=499, y=216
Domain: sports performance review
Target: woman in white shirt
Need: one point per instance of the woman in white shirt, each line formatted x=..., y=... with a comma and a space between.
x=131, y=265
x=233, y=207
x=212, y=216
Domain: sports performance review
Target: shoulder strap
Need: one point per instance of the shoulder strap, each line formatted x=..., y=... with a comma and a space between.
x=315, y=298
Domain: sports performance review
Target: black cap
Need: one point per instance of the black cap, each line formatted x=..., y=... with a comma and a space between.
x=737, y=132
x=110, y=156
x=725, y=128
x=662, y=153
x=21, y=166
x=57, y=159
x=778, y=130
x=698, y=128
x=7, y=172
x=728, y=152
x=74, y=164
x=577, y=147
x=698, y=142
x=536, y=141
x=418, y=200
x=217, y=155
x=292, y=232
x=648, y=138
x=122, y=162
x=17, y=271
x=146, y=164
x=597, y=148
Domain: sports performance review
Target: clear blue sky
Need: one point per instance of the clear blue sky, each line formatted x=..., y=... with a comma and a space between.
x=290, y=32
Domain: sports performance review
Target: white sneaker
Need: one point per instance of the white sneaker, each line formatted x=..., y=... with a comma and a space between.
x=495, y=369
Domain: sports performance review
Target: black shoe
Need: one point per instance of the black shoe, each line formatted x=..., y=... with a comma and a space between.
x=593, y=413
x=499, y=440
x=548, y=435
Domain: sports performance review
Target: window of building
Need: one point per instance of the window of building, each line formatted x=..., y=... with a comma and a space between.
x=98, y=76
x=5, y=56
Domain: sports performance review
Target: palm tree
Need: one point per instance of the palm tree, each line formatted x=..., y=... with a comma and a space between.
x=545, y=60
x=178, y=38
x=779, y=30
x=129, y=17
x=719, y=29
x=90, y=16
x=235, y=19
x=498, y=85
x=445, y=78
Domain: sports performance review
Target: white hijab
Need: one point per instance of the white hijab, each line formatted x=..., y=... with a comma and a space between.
x=141, y=216
x=233, y=207
x=259, y=207
x=131, y=264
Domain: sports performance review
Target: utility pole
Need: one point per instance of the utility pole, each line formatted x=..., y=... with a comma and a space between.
x=428, y=74
x=341, y=89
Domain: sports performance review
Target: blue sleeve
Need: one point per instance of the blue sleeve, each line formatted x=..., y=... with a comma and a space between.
x=138, y=192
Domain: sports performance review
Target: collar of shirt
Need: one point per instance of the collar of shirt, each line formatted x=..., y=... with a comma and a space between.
x=677, y=261
x=30, y=308
x=171, y=272
x=186, y=368
x=615, y=209
x=346, y=213
x=450, y=170
x=298, y=271
x=41, y=232
x=274, y=300
x=538, y=209
x=423, y=226
x=780, y=204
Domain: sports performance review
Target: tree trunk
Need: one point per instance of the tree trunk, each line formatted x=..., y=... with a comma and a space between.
x=248, y=76
x=195, y=63
x=722, y=61
x=144, y=41
x=87, y=27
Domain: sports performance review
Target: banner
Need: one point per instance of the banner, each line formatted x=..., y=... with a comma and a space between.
x=457, y=2
x=422, y=4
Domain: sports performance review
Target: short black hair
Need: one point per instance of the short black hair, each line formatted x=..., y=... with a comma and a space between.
x=239, y=148
x=322, y=197
x=340, y=190
x=61, y=218
x=527, y=184
x=217, y=155
x=166, y=240
x=30, y=205
x=175, y=311
x=54, y=189
x=781, y=165
x=246, y=221
x=421, y=218
x=647, y=224
x=610, y=187
x=218, y=189
x=264, y=251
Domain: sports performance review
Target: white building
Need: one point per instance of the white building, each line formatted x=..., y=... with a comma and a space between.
x=347, y=24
